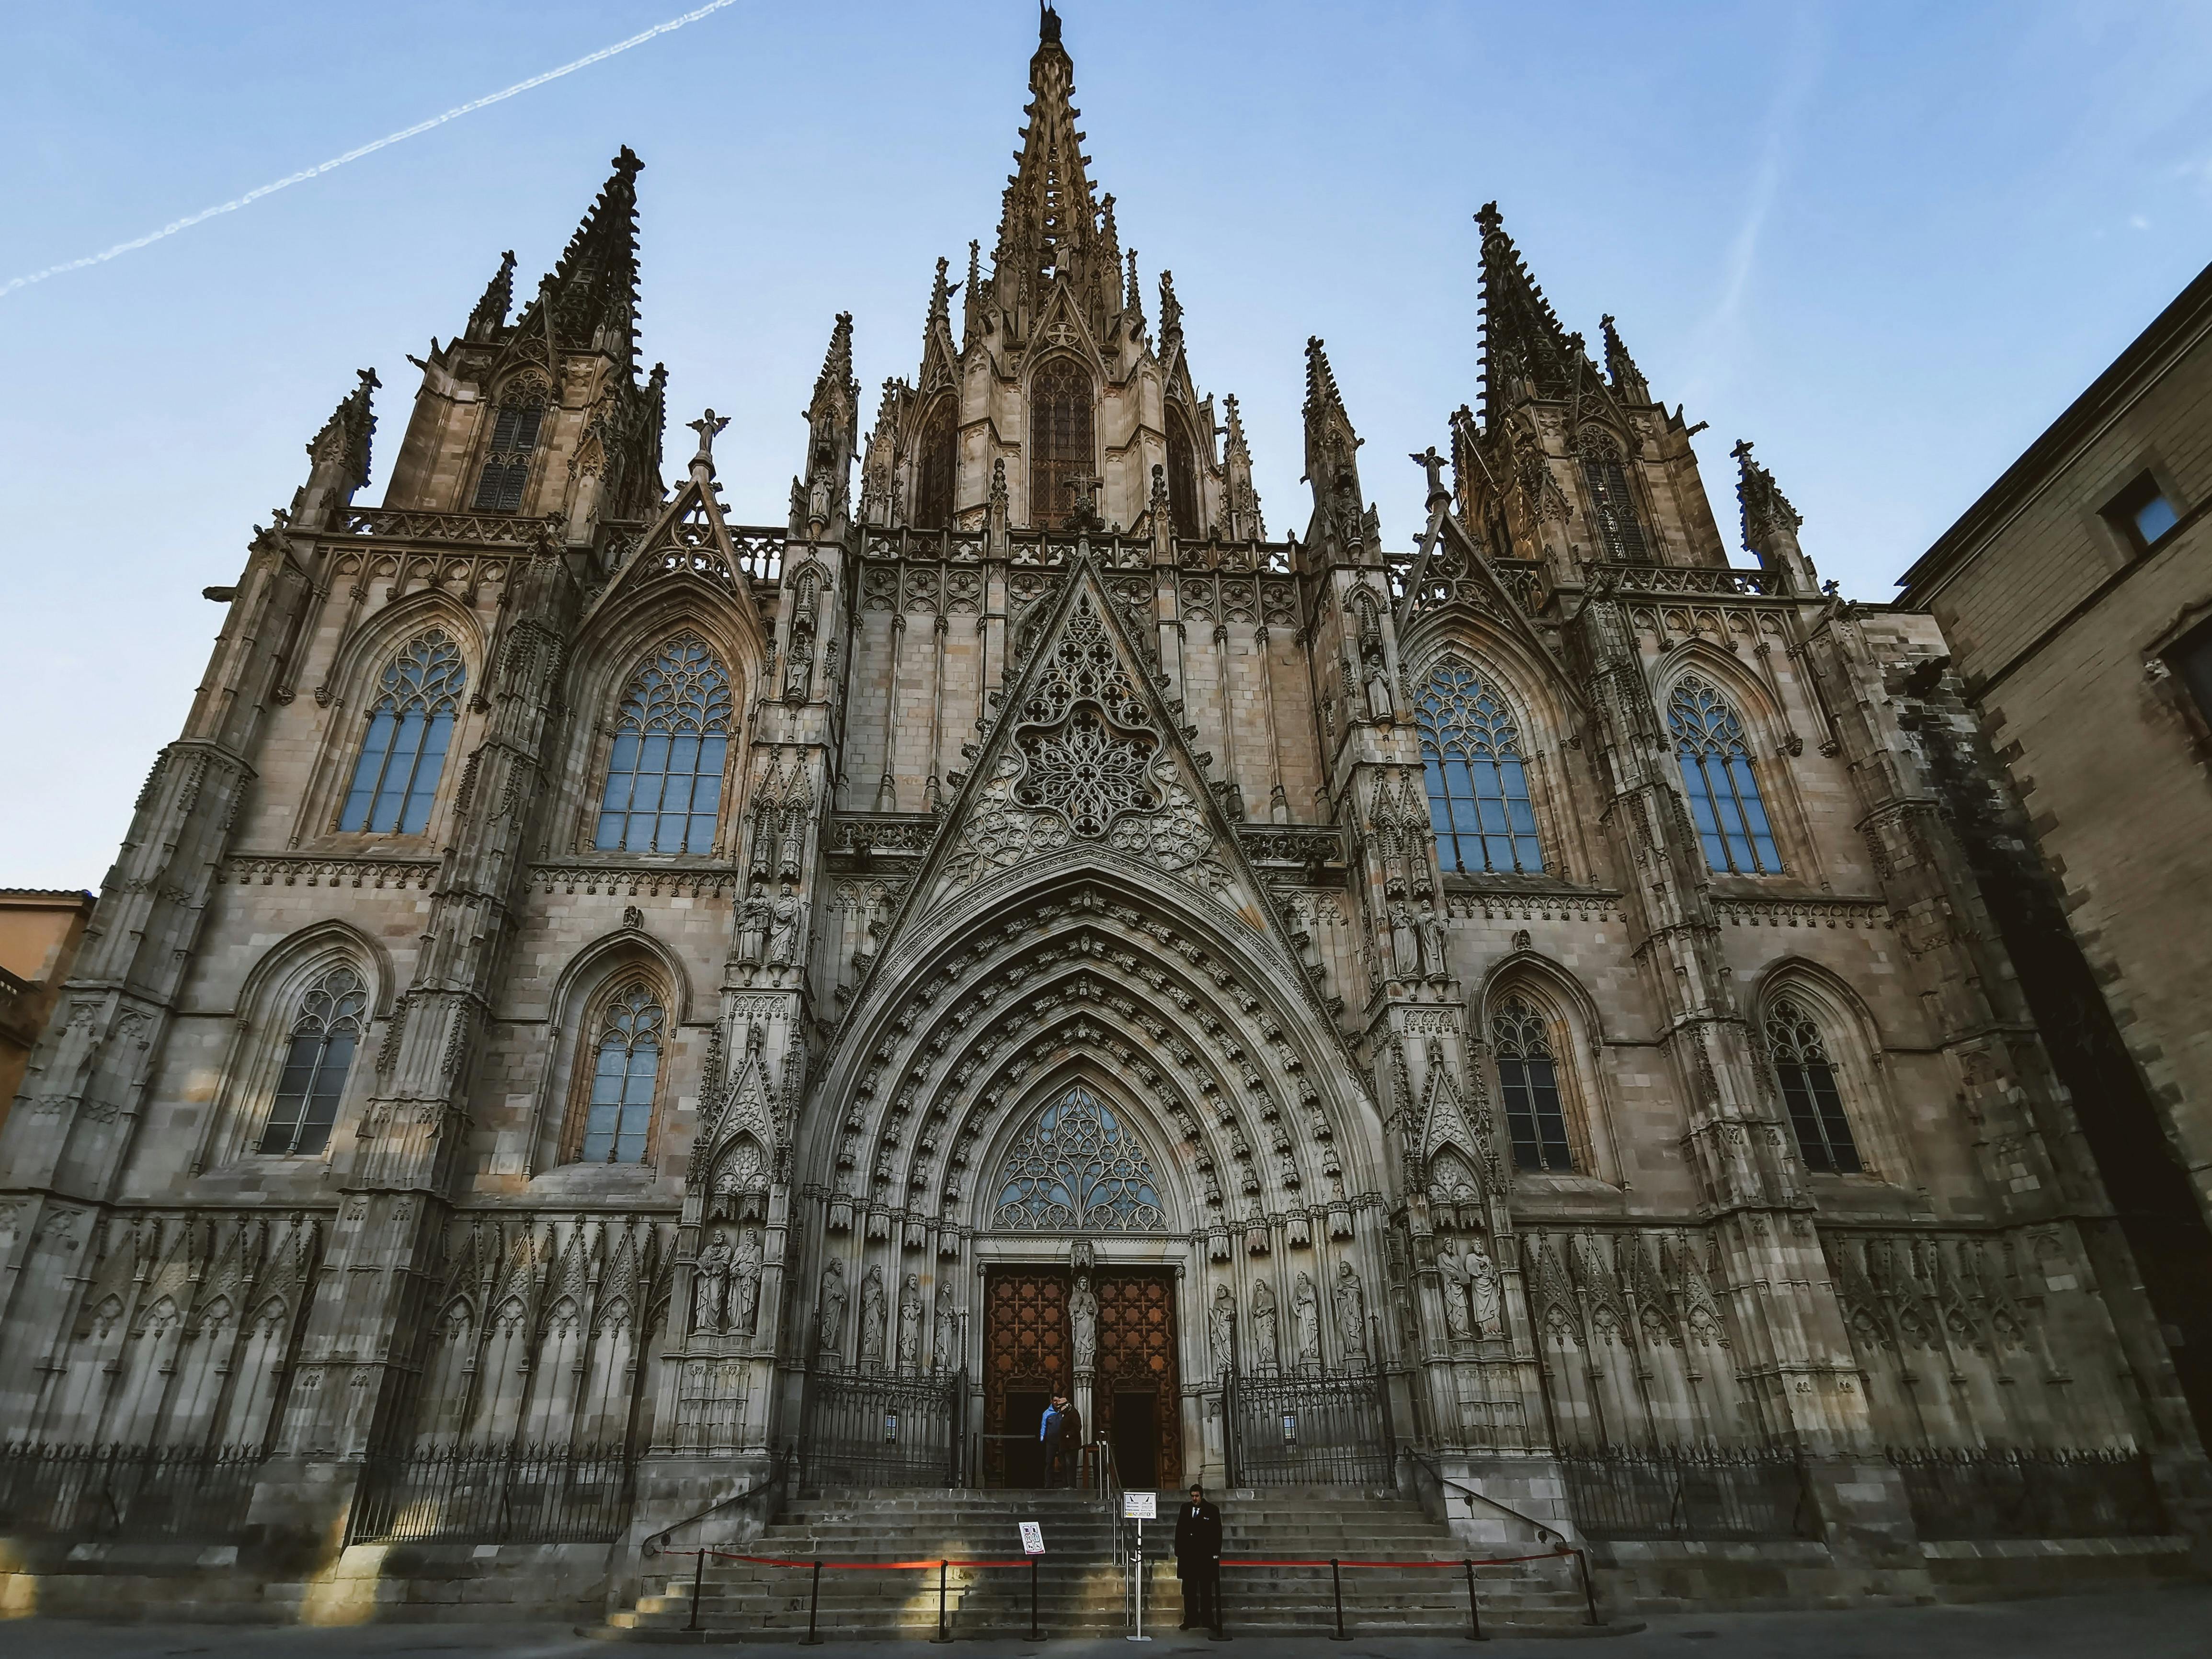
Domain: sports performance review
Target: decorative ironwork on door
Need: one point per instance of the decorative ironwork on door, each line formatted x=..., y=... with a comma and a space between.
x=1025, y=1361
x=1137, y=1356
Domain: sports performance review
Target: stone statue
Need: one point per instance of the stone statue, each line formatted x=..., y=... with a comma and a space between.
x=710, y=1286
x=909, y=1323
x=752, y=928
x=1266, y=1348
x=1351, y=1310
x=830, y=1329
x=1454, y=1277
x=1220, y=1325
x=744, y=1286
x=872, y=1311
x=783, y=931
x=1082, y=1324
x=944, y=1331
x=1483, y=1293
x=1405, y=943
x=1377, y=672
x=1433, y=960
x=1305, y=1321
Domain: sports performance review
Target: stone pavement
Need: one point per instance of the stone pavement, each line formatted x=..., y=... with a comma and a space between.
x=2160, y=1623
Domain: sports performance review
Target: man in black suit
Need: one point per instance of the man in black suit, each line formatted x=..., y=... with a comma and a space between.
x=1198, y=1560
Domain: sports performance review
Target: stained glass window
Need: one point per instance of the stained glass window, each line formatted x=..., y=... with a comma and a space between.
x=411, y=722
x=935, y=459
x=1808, y=1090
x=506, y=464
x=319, y=1054
x=1618, y=527
x=1477, y=789
x=1716, y=774
x=1183, y=481
x=628, y=1064
x=1076, y=1169
x=1060, y=443
x=1529, y=1076
x=663, y=790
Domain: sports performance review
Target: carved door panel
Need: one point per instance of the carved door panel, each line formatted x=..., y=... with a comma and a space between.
x=1137, y=1395
x=1025, y=1363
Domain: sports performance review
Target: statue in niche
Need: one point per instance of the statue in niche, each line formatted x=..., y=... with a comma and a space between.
x=1374, y=671
x=783, y=931
x=752, y=928
x=1351, y=1310
x=873, y=1313
x=744, y=1315
x=1456, y=1284
x=1482, y=1292
x=710, y=1285
x=1220, y=1330
x=829, y=1323
x=1082, y=1323
x=1305, y=1322
x=1432, y=925
x=1265, y=1346
x=909, y=1323
x=944, y=1333
x=1405, y=943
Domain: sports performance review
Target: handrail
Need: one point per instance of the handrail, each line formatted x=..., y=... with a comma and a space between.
x=1544, y=1534
x=781, y=1477
x=1109, y=1489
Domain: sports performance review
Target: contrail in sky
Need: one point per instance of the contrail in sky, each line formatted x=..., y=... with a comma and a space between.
x=389, y=139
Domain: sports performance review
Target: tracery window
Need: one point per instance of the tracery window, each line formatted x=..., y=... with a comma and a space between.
x=626, y=1066
x=663, y=792
x=1724, y=801
x=1183, y=481
x=1613, y=503
x=1529, y=1077
x=1076, y=1169
x=1808, y=1077
x=328, y=1028
x=513, y=440
x=410, y=726
x=1061, y=448
x=934, y=465
x=1478, y=789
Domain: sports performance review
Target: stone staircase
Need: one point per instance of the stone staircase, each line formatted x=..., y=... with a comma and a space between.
x=1080, y=1589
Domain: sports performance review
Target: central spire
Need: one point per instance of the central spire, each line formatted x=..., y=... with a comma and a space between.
x=1051, y=230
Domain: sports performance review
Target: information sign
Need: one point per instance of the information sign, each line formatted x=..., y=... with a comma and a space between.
x=1032, y=1538
x=1140, y=1506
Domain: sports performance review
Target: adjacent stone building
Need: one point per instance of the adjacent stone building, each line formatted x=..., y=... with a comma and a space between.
x=39, y=932
x=601, y=1001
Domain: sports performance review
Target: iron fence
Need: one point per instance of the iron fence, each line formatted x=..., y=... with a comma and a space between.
x=1689, y=1493
x=127, y=1492
x=870, y=1429
x=2031, y=1494
x=1299, y=1429
x=551, y=1494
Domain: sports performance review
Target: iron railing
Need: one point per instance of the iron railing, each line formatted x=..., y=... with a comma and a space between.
x=2031, y=1494
x=1689, y=1493
x=550, y=1494
x=126, y=1492
x=1305, y=1428
x=869, y=1429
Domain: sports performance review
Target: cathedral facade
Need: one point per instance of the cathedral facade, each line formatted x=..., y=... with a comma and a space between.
x=688, y=1003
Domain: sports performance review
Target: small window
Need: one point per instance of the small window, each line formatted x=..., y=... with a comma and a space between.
x=1613, y=502
x=316, y=1062
x=1183, y=481
x=1062, y=441
x=396, y=778
x=1717, y=775
x=627, y=1065
x=1529, y=1077
x=507, y=467
x=2142, y=515
x=1808, y=1077
x=936, y=467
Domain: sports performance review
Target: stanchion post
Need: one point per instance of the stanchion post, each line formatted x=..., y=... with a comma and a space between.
x=813, y=1607
x=1473, y=1613
x=943, y=1635
x=1336, y=1582
x=698, y=1579
x=1590, y=1591
x=1217, y=1634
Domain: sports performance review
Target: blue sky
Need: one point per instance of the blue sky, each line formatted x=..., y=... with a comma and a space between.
x=1887, y=242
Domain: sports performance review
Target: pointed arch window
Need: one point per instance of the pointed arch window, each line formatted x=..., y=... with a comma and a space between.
x=1061, y=444
x=1478, y=803
x=1716, y=774
x=410, y=726
x=1076, y=1169
x=1182, y=480
x=664, y=790
x=316, y=1060
x=1808, y=1077
x=935, y=464
x=515, y=432
x=1528, y=1077
x=1613, y=503
x=625, y=1068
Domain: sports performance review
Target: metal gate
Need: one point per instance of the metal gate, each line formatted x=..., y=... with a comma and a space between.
x=1303, y=1429
x=874, y=1430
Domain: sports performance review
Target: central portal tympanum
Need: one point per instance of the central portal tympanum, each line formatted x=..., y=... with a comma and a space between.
x=1135, y=1391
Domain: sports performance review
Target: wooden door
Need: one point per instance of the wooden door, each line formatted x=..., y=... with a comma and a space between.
x=1025, y=1362
x=1137, y=1394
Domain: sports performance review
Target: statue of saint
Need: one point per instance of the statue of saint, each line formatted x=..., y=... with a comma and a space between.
x=1433, y=961
x=1082, y=1323
x=783, y=931
x=745, y=1285
x=1454, y=1277
x=944, y=1331
x=1220, y=1323
x=1405, y=943
x=872, y=1311
x=1305, y=1321
x=752, y=928
x=1266, y=1349
x=710, y=1283
x=1482, y=1291
x=909, y=1323
x=830, y=1324
x=1351, y=1310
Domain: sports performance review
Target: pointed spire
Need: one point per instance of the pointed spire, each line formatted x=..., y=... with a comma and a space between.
x=1050, y=229
x=1523, y=347
x=339, y=454
x=1770, y=523
x=592, y=292
x=1170, y=316
x=971, y=309
x=833, y=428
x=1332, y=458
x=490, y=314
x=1628, y=382
x=1132, y=296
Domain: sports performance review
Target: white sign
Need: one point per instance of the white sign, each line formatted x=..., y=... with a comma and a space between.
x=1032, y=1538
x=1140, y=1506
